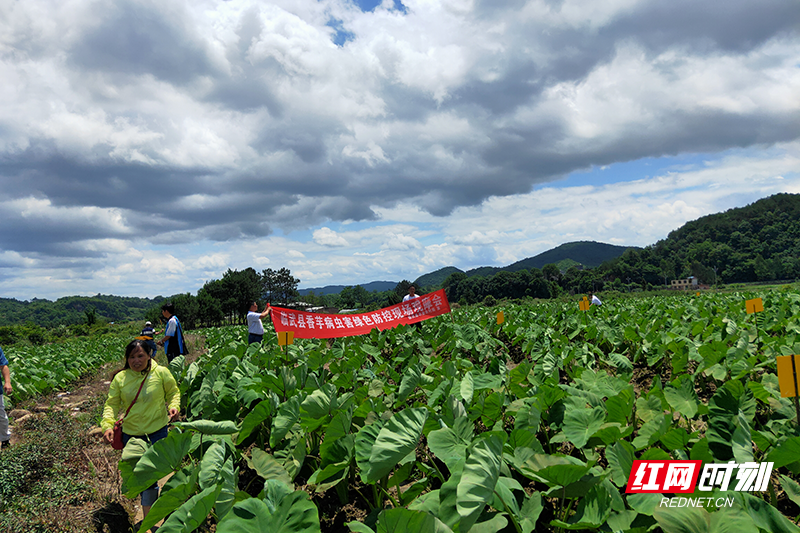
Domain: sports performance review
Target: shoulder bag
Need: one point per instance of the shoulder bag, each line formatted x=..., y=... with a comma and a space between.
x=116, y=443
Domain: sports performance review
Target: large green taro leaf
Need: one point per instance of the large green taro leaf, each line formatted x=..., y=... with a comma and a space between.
x=450, y=445
x=593, y=511
x=620, y=458
x=338, y=441
x=170, y=499
x=260, y=412
x=554, y=470
x=581, y=424
x=267, y=466
x=192, y=513
x=365, y=440
x=620, y=407
x=160, y=459
x=396, y=439
x=210, y=427
x=478, y=480
x=411, y=378
x=318, y=407
x=294, y=514
x=787, y=454
x=211, y=464
x=682, y=399
x=288, y=415
x=723, y=419
x=227, y=482
x=407, y=521
x=763, y=515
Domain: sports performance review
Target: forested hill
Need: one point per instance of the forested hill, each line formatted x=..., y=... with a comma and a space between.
x=589, y=254
x=759, y=242
x=73, y=310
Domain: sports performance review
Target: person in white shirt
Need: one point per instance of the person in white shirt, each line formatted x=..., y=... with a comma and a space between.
x=255, y=329
x=412, y=293
x=595, y=299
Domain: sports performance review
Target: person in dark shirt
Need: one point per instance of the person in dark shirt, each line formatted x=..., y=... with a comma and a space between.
x=147, y=335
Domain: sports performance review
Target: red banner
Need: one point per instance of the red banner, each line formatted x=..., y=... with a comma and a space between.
x=321, y=326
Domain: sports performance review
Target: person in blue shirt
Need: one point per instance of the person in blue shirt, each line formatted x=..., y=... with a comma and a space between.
x=173, y=336
x=5, y=436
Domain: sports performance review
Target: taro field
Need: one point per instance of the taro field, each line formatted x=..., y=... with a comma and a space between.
x=465, y=425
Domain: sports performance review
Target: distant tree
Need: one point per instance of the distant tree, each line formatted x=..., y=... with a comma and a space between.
x=351, y=297
x=209, y=309
x=279, y=285
x=551, y=272
x=91, y=315
x=451, y=286
x=347, y=298
x=401, y=289
x=186, y=309
x=242, y=287
x=390, y=298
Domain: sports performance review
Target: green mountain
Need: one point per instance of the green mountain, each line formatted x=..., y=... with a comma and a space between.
x=435, y=278
x=758, y=242
x=590, y=254
x=379, y=286
x=71, y=309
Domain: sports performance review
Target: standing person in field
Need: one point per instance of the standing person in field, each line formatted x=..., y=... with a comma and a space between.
x=173, y=336
x=255, y=328
x=595, y=300
x=158, y=403
x=147, y=335
x=412, y=293
x=5, y=436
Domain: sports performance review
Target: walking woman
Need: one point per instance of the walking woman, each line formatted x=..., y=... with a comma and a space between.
x=151, y=398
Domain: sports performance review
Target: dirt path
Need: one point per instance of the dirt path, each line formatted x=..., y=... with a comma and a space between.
x=95, y=462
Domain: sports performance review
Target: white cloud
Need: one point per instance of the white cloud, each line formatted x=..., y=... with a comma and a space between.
x=242, y=124
x=213, y=262
x=328, y=237
x=400, y=242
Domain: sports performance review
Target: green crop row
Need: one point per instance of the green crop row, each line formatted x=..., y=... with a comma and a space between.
x=37, y=370
x=464, y=425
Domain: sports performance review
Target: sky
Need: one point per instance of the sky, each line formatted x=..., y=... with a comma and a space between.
x=148, y=146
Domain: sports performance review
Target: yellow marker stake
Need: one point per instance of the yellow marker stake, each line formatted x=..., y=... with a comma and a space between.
x=584, y=304
x=756, y=305
x=501, y=317
x=787, y=379
x=285, y=338
x=698, y=294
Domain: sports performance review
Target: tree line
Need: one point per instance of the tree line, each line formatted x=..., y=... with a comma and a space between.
x=227, y=300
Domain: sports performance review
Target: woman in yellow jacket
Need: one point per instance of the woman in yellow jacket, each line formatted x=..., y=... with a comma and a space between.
x=158, y=403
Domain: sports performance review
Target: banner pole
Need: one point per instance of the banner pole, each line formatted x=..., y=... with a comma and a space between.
x=758, y=335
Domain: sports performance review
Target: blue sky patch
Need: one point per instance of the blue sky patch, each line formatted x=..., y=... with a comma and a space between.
x=370, y=5
x=342, y=35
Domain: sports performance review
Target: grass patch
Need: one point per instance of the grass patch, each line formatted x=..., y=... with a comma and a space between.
x=47, y=482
